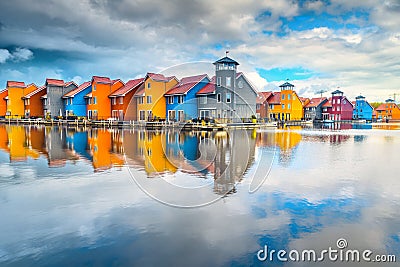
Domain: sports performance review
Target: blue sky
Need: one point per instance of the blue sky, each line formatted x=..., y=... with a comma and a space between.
x=317, y=45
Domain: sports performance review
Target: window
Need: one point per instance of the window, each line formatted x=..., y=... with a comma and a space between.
x=180, y=99
x=218, y=98
x=65, y=102
x=141, y=116
x=288, y=106
x=338, y=101
x=140, y=100
x=203, y=100
x=228, y=82
x=283, y=106
x=148, y=85
x=148, y=99
x=333, y=102
x=113, y=101
x=240, y=84
x=288, y=97
x=94, y=100
x=219, y=81
x=228, y=98
x=283, y=96
x=294, y=97
x=271, y=106
x=170, y=99
x=94, y=87
x=121, y=100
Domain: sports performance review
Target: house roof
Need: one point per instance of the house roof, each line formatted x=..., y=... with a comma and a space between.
x=100, y=79
x=382, y=107
x=275, y=98
x=81, y=87
x=159, y=77
x=129, y=86
x=389, y=100
x=286, y=84
x=88, y=95
x=186, y=84
x=315, y=102
x=15, y=84
x=69, y=83
x=227, y=60
x=337, y=92
x=117, y=80
x=328, y=104
x=303, y=99
x=262, y=97
x=41, y=88
x=208, y=89
x=55, y=82
x=360, y=97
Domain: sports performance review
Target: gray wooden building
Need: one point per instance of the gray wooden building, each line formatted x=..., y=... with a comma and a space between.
x=229, y=97
x=53, y=103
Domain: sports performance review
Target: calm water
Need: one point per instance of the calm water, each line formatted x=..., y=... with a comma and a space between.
x=78, y=197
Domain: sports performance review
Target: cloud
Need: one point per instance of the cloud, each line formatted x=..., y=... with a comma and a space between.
x=4, y=55
x=18, y=55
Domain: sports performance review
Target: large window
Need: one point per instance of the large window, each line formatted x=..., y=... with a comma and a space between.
x=142, y=115
x=94, y=100
x=121, y=100
x=228, y=97
x=180, y=99
x=170, y=99
x=148, y=99
x=219, y=81
x=288, y=97
x=203, y=100
x=283, y=106
x=113, y=101
x=228, y=81
x=283, y=96
x=140, y=100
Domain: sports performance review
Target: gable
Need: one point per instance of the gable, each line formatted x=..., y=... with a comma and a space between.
x=242, y=77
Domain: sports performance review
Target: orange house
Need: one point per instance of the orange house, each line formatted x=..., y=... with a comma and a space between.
x=150, y=99
x=98, y=102
x=3, y=102
x=389, y=110
x=123, y=107
x=33, y=102
x=15, y=105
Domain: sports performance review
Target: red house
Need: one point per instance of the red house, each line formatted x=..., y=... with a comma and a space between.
x=262, y=108
x=338, y=108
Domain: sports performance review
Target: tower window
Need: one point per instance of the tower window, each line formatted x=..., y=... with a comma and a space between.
x=228, y=82
x=228, y=98
x=219, y=81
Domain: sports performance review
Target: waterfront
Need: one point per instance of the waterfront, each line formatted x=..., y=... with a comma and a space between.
x=68, y=198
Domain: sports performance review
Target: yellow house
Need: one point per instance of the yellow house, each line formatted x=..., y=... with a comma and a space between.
x=15, y=101
x=291, y=104
x=150, y=99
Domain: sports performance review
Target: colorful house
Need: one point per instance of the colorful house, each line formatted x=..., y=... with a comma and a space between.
x=388, y=111
x=362, y=109
x=313, y=110
x=3, y=102
x=181, y=99
x=233, y=97
x=15, y=104
x=275, y=108
x=262, y=106
x=33, y=103
x=53, y=104
x=342, y=108
x=151, y=102
x=291, y=104
x=98, y=103
x=75, y=102
x=123, y=105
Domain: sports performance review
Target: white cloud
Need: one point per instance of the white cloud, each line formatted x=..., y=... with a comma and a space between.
x=4, y=55
x=19, y=54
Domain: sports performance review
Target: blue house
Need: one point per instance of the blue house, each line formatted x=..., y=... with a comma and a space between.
x=74, y=101
x=362, y=109
x=181, y=99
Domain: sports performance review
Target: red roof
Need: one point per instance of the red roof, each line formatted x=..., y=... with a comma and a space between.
x=314, y=102
x=99, y=79
x=262, y=97
x=41, y=88
x=382, y=107
x=208, y=89
x=15, y=84
x=54, y=82
x=275, y=98
x=328, y=104
x=129, y=86
x=159, y=77
x=303, y=99
x=69, y=83
x=117, y=80
x=186, y=84
x=81, y=87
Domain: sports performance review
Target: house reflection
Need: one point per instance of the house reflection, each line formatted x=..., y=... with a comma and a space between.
x=56, y=147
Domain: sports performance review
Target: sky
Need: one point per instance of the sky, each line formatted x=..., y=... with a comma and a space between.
x=316, y=45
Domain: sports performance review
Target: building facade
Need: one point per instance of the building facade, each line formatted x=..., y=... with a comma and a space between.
x=75, y=102
x=362, y=109
x=388, y=111
x=181, y=99
x=291, y=105
x=33, y=103
x=53, y=104
x=262, y=106
x=3, y=102
x=313, y=110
